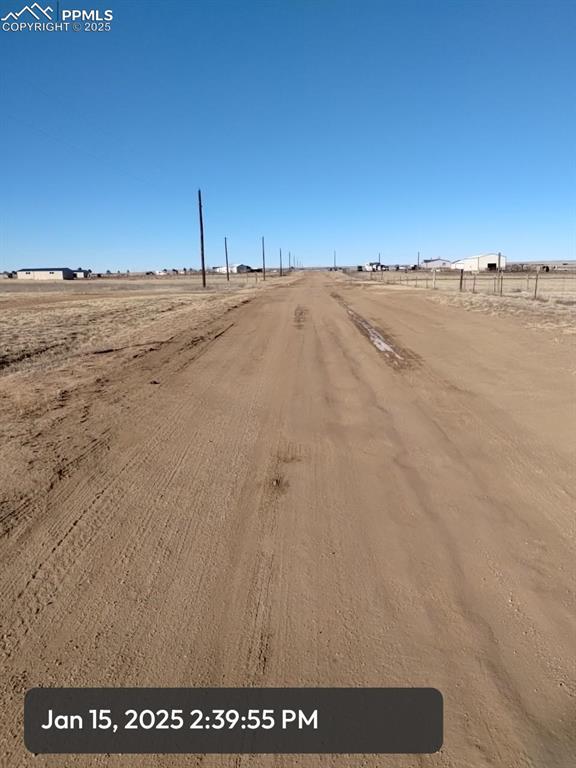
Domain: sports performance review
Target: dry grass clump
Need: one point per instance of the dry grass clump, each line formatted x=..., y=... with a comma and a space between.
x=557, y=314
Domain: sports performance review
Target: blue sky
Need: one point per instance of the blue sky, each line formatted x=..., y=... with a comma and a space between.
x=447, y=128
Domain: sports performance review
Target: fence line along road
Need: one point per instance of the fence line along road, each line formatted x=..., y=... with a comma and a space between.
x=541, y=285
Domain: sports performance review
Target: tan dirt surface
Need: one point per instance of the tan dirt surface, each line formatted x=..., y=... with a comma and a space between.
x=290, y=506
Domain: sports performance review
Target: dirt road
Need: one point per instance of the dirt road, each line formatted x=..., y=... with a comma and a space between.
x=289, y=505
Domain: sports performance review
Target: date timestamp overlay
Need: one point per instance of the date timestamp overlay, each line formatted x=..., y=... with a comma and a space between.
x=233, y=720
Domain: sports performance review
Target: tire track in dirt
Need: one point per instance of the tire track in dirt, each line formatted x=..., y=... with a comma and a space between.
x=395, y=355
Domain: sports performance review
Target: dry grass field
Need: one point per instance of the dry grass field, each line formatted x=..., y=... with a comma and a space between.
x=42, y=323
x=555, y=314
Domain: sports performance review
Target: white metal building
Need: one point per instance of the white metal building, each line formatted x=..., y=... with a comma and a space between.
x=490, y=262
x=46, y=273
x=435, y=264
x=234, y=269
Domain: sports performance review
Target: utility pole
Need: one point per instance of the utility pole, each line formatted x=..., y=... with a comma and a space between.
x=379, y=259
x=202, y=239
x=418, y=259
x=226, y=252
x=334, y=260
x=263, y=260
x=289, y=261
x=280, y=262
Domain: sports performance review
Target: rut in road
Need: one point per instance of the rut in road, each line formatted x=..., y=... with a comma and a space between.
x=289, y=509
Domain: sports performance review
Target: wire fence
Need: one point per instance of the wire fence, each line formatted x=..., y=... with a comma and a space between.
x=537, y=285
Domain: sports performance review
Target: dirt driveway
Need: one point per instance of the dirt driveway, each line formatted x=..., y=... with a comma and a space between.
x=293, y=504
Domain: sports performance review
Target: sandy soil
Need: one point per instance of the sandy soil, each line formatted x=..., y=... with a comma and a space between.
x=263, y=497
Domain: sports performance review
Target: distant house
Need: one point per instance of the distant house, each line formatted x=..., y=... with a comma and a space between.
x=234, y=269
x=435, y=264
x=46, y=273
x=490, y=262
